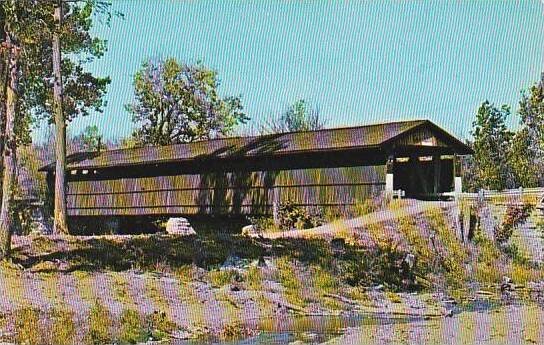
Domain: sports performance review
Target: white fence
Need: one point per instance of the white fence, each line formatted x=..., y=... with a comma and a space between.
x=533, y=195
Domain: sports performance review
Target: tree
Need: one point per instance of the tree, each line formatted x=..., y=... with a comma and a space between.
x=89, y=140
x=523, y=160
x=60, y=224
x=528, y=153
x=300, y=116
x=9, y=145
x=30, y=24
x=177, y=102
x=492, y=141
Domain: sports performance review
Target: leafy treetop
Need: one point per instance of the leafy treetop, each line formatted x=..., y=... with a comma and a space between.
x=176, y=102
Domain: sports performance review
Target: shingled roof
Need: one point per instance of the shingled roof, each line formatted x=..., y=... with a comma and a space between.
x=323, y=140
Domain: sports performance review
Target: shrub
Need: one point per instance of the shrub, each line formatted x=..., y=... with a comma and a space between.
x=292, y=216
x=132, y=330
x=233, y=330
x=99, y=325
x=27, y=326
x=393, y=297
x=159, y=326
x=262, y=224
x=515, y=216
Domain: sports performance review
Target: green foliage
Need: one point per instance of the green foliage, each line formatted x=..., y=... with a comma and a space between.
x=254, y=278
x=89, y=140
x=515, y=216
x=300, y=116
x=27, y=326
x=288, y=278
x=220, y=278
x=291, y=216
x=31, y=23
x=523, y=160
x=263, y=224
x=159, y=326
x=323, y=280
x=132, y=329
x=488, y=255
x=177, y=102
x=492, y=141
x=99, y=325
x=530, y=151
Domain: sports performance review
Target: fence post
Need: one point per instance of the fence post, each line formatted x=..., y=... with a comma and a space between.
x=276, y=205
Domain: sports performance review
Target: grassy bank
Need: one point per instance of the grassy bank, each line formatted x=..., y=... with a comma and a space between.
x=61, y=290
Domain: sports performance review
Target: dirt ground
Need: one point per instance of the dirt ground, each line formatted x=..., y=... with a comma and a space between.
x=514, y=324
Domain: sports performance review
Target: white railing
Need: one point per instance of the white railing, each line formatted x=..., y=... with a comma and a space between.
x=523, y=193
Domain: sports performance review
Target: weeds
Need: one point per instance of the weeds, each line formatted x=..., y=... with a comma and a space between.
x=99, y=325
x=254, y=278
x=64, y=328
x=287, y=276
x=132, y=330
x=323, y=281
x=27, y=326
x=159, y=326
x=515, y=216
x=220, y=278
x=393, y=297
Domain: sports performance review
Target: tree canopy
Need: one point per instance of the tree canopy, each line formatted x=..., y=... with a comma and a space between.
x=492, y=141
x=177, y=102
x=299, y=116
x=31, y=25
x=528, y=150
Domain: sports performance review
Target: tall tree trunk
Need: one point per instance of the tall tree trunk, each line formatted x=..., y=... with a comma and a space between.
x=60, y=224
x=3, y=87
x=9, y=151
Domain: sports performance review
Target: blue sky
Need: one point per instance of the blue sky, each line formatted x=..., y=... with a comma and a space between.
x=360, y=62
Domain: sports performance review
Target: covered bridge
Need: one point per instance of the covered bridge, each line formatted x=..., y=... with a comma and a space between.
x=329, y=168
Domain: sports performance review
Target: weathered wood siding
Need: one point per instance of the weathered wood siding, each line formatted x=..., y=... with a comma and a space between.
x=248, y=192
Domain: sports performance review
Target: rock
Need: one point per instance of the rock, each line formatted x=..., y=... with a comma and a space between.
x=179, y=226
x=249, y=230
x=410, y=260
x=506, y=284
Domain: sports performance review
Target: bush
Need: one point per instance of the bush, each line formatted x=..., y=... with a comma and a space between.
x=132, y=330
x=292, y=216
x=515, y=216
x=159, y=326
x=262, y=224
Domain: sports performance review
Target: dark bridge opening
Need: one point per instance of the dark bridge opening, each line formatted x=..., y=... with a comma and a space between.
x=423, y=177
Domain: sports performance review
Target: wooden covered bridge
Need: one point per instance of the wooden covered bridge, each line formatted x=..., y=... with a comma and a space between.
x=329, y=168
